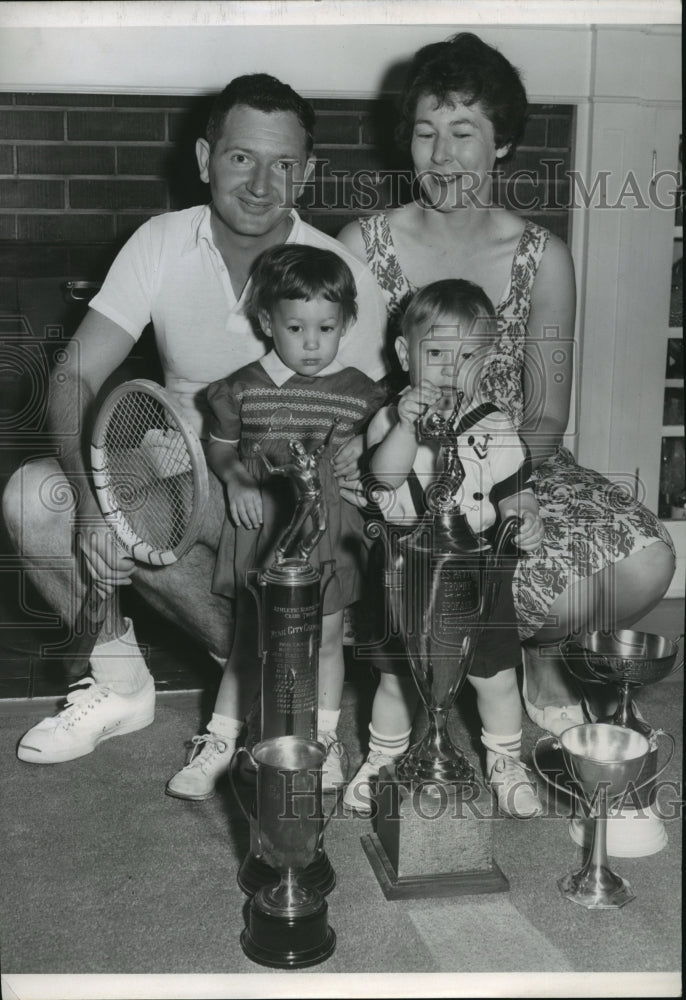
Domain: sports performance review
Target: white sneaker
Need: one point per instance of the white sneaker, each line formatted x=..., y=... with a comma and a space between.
x=515, y=793
x=197, y=779
x=556, y=719
x=332, y=770
x=360, y=791
x=93, y=713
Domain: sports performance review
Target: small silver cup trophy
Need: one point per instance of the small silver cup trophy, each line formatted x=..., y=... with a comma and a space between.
x=604, y=763
x=441, y=581
x=287, y=872
x=287, y=924
x=629, y=660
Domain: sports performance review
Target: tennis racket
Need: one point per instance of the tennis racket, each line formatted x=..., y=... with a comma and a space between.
x=151, y=484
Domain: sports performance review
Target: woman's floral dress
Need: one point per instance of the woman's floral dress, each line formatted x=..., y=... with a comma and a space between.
x=590, y=523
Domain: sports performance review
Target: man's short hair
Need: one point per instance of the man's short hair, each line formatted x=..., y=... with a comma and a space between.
x=263, y=93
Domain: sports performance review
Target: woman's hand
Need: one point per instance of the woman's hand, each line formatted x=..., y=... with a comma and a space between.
x=415, y=401
x=346, y=461
x=245, y=499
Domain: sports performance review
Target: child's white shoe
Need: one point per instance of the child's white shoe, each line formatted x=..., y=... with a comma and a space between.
x=360, y=791
x=332, y=768
x=197, y=779
x=515, y=793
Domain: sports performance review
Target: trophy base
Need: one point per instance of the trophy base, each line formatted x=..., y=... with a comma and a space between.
x=579, y=888
x=414, y=767
x=255, y=873
x=631, y=833
x=288, y=939
x=429, y=843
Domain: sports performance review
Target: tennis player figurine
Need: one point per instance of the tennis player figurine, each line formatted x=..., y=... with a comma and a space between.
x=303, y=471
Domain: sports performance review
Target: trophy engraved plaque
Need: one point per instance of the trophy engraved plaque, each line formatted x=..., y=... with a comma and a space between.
x=441, y=581
x=288, y=596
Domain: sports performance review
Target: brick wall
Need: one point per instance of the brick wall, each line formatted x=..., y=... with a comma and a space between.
x=79, y=172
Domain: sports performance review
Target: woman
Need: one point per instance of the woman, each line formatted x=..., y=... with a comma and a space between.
x=606, y=560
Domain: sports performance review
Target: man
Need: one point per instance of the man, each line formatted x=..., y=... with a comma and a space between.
x=188, y=273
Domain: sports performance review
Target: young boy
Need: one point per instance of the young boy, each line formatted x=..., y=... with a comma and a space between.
x=447, y=333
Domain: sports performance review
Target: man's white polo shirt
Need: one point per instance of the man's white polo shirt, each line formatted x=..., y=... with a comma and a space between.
x=171, y=274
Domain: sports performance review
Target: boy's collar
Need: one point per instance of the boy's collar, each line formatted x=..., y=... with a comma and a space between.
x=280, y=373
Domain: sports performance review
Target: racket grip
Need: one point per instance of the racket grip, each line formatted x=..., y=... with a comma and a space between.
x=87, y=626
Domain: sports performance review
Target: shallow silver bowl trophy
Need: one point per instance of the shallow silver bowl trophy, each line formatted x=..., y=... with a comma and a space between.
x=441, y=585
x=629, y=660
x=289, y=601
x=604, y=763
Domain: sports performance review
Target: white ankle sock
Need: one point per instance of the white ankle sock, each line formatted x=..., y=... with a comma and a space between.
x=327, y=720
x=119, y=664
x=229, y=729
x=509, y=745
x=389, y=746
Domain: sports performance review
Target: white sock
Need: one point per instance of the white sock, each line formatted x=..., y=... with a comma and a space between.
x=327, y=720
x=229, y=729
x=119, y=664
x=388, y=746
x=509, y=745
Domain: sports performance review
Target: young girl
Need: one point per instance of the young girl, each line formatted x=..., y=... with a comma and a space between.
x=304, y=298
x=447, y=333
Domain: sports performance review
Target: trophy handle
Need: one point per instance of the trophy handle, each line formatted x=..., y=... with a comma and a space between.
x=652, y=739
x=506, y=531
x=392, y=575
x=234, y=757
x=252, y=583
x=504, y=534
x=556, y=745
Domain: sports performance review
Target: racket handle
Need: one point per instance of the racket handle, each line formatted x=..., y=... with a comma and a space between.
x=87, y=626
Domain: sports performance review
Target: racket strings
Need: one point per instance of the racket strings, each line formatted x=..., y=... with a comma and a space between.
x=149, y=470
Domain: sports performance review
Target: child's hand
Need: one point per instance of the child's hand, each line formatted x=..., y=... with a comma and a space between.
x=345, y=462
x=245, y=500
x=415, y=401
x=531, y=530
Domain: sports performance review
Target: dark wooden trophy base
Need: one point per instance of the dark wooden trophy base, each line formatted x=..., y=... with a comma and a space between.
x=430, y=841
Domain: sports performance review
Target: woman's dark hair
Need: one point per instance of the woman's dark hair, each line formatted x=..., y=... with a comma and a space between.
x=295, y=271
x=263, y=93
x=476, y=71
x=451, y=297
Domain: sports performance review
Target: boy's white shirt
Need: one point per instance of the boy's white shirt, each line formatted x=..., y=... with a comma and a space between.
x=494, y=453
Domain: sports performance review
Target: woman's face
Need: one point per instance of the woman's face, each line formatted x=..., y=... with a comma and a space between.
x=453, y=150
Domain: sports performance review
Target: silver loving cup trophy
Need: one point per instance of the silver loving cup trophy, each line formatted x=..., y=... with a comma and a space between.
x=441, y=584
x=604, y=763
x=289, y=601
x=287, y=925
x=628, y=660
x=625, y=658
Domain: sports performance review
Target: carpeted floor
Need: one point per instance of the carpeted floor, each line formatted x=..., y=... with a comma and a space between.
x=105, y=875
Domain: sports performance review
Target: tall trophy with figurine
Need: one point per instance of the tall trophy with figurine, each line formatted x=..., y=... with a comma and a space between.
x=287, y=919
x=441, y=581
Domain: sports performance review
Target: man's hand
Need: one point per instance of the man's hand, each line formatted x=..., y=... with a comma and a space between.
x=109, y=566
x=245, y=499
